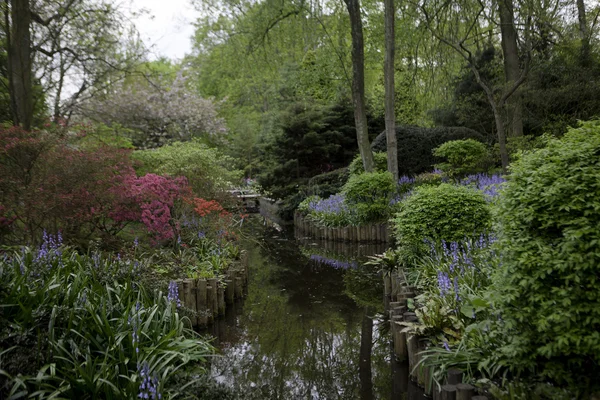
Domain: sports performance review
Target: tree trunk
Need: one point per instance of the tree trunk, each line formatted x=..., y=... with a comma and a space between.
x=583, y=33
x=501, y=136
x=512, y=69
x=20, y=64
x=358, y=84
x=388, y=78
x=364, y=364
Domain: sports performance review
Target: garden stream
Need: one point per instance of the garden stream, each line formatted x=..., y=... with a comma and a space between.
x=311, y=327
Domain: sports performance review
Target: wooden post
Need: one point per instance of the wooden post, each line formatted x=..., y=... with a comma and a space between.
x=412, y=343
x=229, y=293
x=454, y=376
x=210, y=295
x=464, y=391
x=214, y=306
x=221, y=299
x=201, y=301
x=238, y=288
x=373, y=233
x=400, y=345
x=387, y=285
x=448, y=392
x=190, y=299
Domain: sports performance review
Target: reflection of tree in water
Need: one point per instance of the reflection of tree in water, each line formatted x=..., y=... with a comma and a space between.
x=303, y=335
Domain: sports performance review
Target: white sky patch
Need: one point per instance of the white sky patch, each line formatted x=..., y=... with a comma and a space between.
x=167, y=28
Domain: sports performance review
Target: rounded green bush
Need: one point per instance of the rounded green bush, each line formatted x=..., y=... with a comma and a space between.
x=356, y=166
x=369, y=194
x=548, y=287
x=445, y=212
x=462, y=157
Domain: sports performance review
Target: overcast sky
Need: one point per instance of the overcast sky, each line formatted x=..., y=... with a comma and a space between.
x=168, y=27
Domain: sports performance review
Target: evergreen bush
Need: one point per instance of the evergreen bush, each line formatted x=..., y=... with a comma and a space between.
x=548, y=287
x=445, y=212
x=356, y=167
x=369, y=194
x=415, y=145
x=462, y=157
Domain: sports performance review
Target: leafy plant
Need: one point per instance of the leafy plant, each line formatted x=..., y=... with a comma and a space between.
x=356, y=166
x=463, y=157
x=445, y=212
x=98, y=332
x=549, y=235
x=370, y=195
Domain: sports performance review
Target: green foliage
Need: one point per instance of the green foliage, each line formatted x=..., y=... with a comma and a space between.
x=206, y=169
x=74, y=326
x=356, y=167
x=549, y=234
x=369, y=194
x=463, y=157
x=445, y=212
x=415, y=145
x=98, y=135
x=328, y=183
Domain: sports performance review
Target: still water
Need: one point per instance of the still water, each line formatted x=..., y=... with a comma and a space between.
x=311, y=327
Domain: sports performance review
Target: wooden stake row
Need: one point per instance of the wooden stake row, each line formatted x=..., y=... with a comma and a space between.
x=410, y=347
x=378, y=233
x=207, y=299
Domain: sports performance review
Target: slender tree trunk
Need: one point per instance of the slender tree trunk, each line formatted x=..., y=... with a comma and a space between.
x=501, y=136
x=59, y=89
x=512, y=68
x=364, y=364
x=358, y=84
x=583, y=33
x=388, y=78
x=20, y=64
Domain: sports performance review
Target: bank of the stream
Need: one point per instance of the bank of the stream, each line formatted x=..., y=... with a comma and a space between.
x=311, y=327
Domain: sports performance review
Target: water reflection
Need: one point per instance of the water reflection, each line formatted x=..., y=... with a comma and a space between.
x=307, y=330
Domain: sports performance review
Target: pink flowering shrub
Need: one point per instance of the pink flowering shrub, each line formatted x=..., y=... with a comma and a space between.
x=48, y=183
x=151, y=199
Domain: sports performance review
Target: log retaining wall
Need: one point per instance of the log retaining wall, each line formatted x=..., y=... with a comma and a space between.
x=373, y=233
x=408, y=347
x=207, y=299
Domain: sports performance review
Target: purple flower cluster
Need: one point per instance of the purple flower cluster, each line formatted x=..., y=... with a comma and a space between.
x=135, y=321
x=149, y=386
x=335, y=204
x=406, y=180
x=444, y=283
x=488, y=184
x=173, y=294
x=50, y=248
x=333, y=263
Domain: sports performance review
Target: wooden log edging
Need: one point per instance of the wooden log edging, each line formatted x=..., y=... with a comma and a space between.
x=408, y=347
x=205, y=300
x=376, y=233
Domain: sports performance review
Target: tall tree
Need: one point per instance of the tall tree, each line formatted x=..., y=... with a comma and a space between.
x=583, y=33
x=390, y=95
x=358, y=84
x=512, y=68
x=53, y=39
x=459, y=25
x=19, y=63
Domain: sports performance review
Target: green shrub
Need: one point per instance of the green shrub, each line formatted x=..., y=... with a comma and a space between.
x=329, y=183
x=415, y=145
x=548, y=288
x=369, y=195
x=445, y=212
x=463, y=157
x=356, y=166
